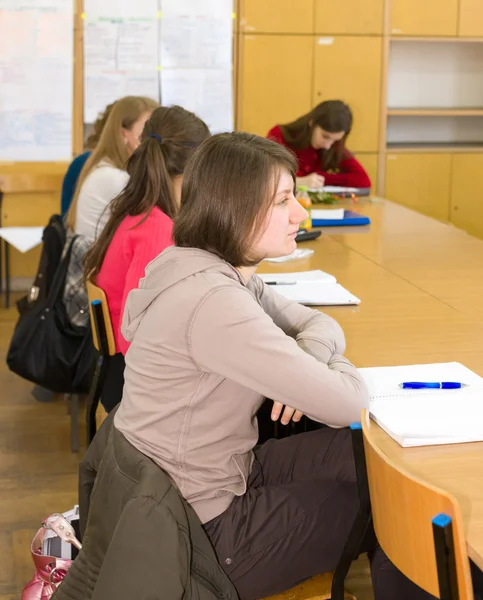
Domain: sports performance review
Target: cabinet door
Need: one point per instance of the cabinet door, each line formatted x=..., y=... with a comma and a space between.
x=466, y=206
x=349, y=69
x=276, y=16
x=420, y=181
x=471, y=18
x=274, y=85
x=424, y=17
x=369, y=162
x=357, y=16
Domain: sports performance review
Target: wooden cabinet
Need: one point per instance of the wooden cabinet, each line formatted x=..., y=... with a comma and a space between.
x=466, y=206
x=471, y=18
x=353, y=16
x=370, y=164
x=275, y=80
x=349, y=69
x=424, y=17
x=420, y=181
x=276, y=16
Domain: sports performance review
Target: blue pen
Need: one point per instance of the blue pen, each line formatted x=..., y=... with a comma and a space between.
x=440, y=385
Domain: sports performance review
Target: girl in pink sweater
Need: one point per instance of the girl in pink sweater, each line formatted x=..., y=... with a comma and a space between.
x=141, y=222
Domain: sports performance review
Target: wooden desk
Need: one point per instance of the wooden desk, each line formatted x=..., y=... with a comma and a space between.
x=421, y=288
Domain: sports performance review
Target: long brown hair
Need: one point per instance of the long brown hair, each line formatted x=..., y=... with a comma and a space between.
x=111, y=147
x=332, y=116
x=98, y=126
x=169, y=138
x=228, y=189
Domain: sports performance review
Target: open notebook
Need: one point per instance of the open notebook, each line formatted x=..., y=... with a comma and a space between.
x=313, y=288
x=426, y=417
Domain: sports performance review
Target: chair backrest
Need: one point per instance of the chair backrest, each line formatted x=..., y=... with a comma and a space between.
x=403, y=508
x=97, y=295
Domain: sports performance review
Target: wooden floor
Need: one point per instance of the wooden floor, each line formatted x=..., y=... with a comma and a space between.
x=38, y=474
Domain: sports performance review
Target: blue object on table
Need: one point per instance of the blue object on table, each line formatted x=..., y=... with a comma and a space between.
x=439, y=385
x=350, y=218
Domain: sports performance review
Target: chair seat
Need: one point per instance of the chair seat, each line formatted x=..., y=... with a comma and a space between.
x=315, y=588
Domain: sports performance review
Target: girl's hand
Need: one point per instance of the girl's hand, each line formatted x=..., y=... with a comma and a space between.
x=314, y=181
x=288, y=413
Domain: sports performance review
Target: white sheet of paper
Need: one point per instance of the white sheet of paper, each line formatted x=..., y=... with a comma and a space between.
x=428, y=416
x=120, y=59
x=206, y=92
x=121, y=9
x=22, y=238
x=296, y=254
x=317, y=293
x=195, y=49
x=196, y=34
x=315, y=275
x=36, y=72
x=327, y=213
x=335, y=189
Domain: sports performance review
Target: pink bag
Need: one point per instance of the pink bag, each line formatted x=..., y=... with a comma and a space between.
x=50, y=570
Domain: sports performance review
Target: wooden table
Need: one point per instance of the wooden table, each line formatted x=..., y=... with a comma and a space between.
x=421, y=288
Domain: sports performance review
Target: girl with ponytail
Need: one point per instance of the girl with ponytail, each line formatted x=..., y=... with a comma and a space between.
x=141, y=220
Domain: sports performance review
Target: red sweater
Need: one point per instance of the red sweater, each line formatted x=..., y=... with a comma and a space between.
x=128, y=255
x=349, y=174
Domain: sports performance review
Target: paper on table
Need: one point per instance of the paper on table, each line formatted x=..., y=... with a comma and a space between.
x=22, y=238
x=296, y=254
x=317, y=293
x=335, y=189
x=315, y=275
x=383, y=382
x=426, y=417
x=328, y=214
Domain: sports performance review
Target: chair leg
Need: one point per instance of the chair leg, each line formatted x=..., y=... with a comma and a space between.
x=362, y=521
x=74, y=422
x=445, y=557
x=94, y=397
x=7, y=275
x=1, y=264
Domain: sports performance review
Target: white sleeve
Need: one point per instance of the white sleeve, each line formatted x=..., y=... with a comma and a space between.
x=98, y=190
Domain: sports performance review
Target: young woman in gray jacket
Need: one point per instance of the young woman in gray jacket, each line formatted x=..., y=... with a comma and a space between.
x=210, y=341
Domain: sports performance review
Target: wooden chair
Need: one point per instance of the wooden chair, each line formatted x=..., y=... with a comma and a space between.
x=103, y=338
x=315, y=588
x=419, y=527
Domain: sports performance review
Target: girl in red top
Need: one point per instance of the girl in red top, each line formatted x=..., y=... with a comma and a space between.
x=318, y=141
x=141, y=222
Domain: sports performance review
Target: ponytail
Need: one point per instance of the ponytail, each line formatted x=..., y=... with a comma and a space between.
x=169, y=138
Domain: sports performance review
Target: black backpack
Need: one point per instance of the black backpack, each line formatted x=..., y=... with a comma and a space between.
x=53, y=239
x=46, y=348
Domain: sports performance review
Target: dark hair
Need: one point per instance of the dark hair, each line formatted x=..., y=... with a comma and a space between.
x=228, y=189
x=332, y=116
x=169, y=138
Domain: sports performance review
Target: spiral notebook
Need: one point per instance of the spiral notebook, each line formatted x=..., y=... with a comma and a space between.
x=430, y=416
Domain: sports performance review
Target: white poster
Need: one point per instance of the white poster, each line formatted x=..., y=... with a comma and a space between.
x=36, y=79
x=120, y=52
x=196, y=59
x=206, y=92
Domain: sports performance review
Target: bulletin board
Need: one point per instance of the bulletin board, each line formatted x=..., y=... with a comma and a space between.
x=63, y=61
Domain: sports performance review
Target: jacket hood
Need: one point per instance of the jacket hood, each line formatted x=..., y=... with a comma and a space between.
x=166, y=270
